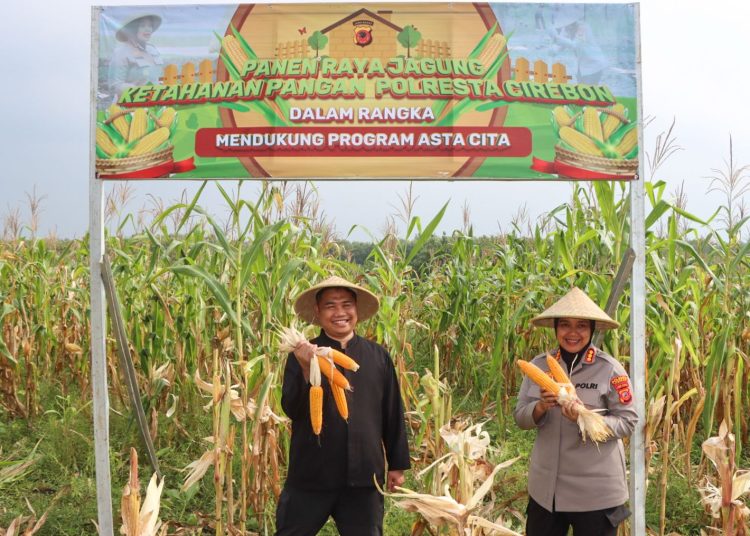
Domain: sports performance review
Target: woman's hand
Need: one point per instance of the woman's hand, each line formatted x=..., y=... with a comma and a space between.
x=548, y=400
x=570, y=410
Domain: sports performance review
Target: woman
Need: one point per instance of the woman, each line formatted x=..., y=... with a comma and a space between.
x=572, y=482
x=135, y=61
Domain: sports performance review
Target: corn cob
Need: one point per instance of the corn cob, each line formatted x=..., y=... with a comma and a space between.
x=539, y=377
x=579, y=142
x=339, y=358
x=234, y=50
x=150, y=141
x=590, y=423
x=166, y=118
x=316, y=408
x=491, y=49
x=104, y=142
x=592, y=127
x=332, y=373
x=562, y=117
x=316, y=398
x=116, y=116
x=615, y=117
x=558, y=373
x=340, y=397
x=628, y=142
x=138, y=125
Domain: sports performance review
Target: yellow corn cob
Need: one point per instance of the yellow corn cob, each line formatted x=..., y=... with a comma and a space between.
x=166, y=118
x=628, y=142
x=615, y=118
x=340, y=397
x=104, y=142
x=578, y=141
x=562, y=116
x=316, y=398
x=539, y=377
x=558, y=373
x=235, y=52
x=339, y=358
x=332, y=373
x=491, y=49
x=591, y=424
x=119, y=121
x=592, y=127
x=316, y=408
x=138, y=125
x=150, y=141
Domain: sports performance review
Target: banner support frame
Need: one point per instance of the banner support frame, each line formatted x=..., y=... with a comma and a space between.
x=99, y=381
x=638, y=315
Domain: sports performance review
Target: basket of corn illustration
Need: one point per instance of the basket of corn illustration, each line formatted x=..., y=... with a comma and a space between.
x=131, y=141
x=599, y=140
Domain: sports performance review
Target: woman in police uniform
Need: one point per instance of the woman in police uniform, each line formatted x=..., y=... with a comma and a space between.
x=572, y=482
x=135, y=62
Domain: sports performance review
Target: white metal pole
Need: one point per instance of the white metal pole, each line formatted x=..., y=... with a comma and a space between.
x=98, y=310
x=638, y=316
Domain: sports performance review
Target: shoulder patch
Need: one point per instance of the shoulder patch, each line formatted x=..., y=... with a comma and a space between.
x=622, y=386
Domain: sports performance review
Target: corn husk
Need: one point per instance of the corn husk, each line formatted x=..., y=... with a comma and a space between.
x=290, y=338
x=140, y=519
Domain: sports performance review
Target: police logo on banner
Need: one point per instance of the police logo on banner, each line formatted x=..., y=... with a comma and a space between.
x=362, y=32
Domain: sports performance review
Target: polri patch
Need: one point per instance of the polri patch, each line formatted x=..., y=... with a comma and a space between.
x=622, y=386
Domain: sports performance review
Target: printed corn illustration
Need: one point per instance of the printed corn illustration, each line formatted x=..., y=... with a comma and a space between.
x=128, y=133
x=604, y=133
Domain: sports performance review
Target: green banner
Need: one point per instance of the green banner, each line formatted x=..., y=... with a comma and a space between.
x=345, y=91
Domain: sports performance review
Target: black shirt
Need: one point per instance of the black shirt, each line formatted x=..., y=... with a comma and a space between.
x=347, y=454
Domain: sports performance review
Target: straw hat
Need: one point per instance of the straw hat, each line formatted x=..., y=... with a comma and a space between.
x=132, y=22
x=367, y=302
x=575, y=304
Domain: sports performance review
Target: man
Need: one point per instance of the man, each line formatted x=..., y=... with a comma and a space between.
x=332, y=474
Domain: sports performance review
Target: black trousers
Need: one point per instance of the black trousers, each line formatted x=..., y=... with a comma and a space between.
x=541, y=522
x=356, y=511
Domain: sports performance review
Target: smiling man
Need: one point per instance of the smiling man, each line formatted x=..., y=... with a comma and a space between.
x=331, y=475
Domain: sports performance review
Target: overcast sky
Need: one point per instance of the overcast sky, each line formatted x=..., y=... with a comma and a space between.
x=694, y=69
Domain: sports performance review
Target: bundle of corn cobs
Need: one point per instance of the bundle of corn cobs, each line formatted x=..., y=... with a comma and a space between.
x=603, y=132
x=590, y=423
x=324, y=362
x=125, y=133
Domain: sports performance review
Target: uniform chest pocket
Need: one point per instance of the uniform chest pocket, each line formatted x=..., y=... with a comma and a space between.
x=590, y=394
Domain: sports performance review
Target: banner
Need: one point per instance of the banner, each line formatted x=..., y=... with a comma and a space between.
x=389, y=90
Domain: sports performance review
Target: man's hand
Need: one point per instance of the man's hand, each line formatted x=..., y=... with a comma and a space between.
x=304, y=352
x=395, y=478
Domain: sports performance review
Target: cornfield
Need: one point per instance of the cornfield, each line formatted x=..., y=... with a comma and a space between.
x=204, y=299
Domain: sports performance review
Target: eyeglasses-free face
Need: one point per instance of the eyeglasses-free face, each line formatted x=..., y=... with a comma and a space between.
x=573, y=334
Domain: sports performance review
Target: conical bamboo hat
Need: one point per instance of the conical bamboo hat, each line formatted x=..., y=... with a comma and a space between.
x=575, y=304
x=367, y=302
